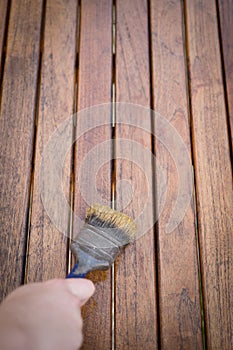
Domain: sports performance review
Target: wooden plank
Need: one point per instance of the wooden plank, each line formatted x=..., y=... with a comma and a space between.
x=179, y=304
x=3, y=14
x=16, y=136
x=226, y=26
x=47, y=250
x=94, y=88
x=136, y=318
x=212, y=172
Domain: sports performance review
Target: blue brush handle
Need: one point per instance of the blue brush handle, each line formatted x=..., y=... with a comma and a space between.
x=72, y=273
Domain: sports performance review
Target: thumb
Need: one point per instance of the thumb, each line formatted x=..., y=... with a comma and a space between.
x=81, y=288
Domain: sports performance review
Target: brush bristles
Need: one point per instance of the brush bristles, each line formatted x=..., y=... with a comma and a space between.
x=103, y=216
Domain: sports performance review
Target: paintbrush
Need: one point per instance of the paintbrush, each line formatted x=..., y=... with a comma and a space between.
x=101, y=239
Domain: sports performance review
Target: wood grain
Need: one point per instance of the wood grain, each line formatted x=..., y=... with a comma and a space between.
x=47, y=250
x=179, y=304
x=16, y=137
x=136, y=318
x=94, y=88
x=226, y=27
x=3, y=14
x=212, y=172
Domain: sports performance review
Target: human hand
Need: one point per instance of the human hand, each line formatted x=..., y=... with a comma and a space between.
x=44, y=316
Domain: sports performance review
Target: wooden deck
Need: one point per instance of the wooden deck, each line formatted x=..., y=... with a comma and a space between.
x=167, y=290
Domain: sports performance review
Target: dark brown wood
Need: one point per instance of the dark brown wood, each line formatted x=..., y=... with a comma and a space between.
x=226, y=28
x=212, y=172
x=135, y=318
x=94, y=88
x=123, y=313
x=47, y=250
x=17, y=117
x=3, y=14
x=179, y=303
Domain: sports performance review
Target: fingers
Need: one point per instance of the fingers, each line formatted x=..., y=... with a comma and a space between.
x=81, y=288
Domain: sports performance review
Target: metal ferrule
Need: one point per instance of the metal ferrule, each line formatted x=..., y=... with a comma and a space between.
x=95, y=248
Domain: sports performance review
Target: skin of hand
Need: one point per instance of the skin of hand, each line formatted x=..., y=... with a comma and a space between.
x=45, y=315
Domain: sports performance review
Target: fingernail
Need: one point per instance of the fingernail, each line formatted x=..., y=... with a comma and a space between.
x=81, y=288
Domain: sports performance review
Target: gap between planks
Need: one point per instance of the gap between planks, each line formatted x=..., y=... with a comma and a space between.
x=224, y=79
x=70, y=260
x=25, y=269
x=154, y=180
x=3, y=44
x=113, y=168
x=189, y=105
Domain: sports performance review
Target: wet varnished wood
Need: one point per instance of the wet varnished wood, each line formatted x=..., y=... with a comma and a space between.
x=179, y=302
x=212, y=172
x=47, y=250
x=94, y=88
x=135, y=312
x=17, y=116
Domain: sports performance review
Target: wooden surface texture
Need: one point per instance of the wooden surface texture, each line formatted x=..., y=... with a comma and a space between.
x=47, y=246
x=179, y=302
x=212, y=172
x=161, y=154
x=17, y=118
x=135, y=272
x=94, y=84
x=3, y=24
x=225, y=8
